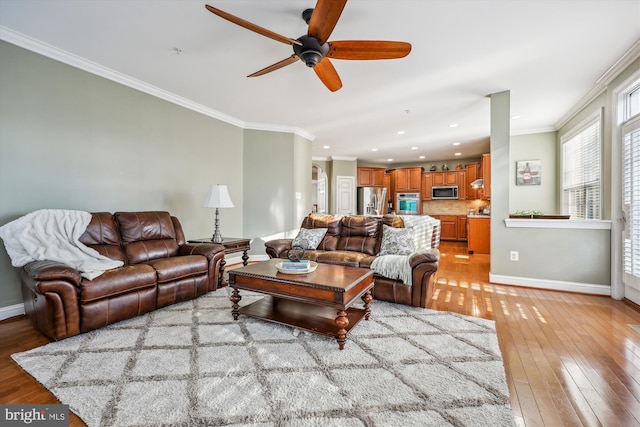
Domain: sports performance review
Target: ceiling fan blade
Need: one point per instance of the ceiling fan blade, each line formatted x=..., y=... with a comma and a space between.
x=290, y=60
x=368, y=49
x=328, y=74
x=250, y=26
x=324, y=18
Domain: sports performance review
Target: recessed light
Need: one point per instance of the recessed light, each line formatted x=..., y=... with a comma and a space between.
x=374, y=149
x=453, y=125
x=326, y=147
x=400, y=132
x=515, y=117
x=456, y=143
x=421, y=157
x=414, y=148
x=389, y=160
x=457, y=154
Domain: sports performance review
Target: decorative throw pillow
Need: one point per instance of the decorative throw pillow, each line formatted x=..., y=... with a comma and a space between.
x=309, y=238
x=396, y=241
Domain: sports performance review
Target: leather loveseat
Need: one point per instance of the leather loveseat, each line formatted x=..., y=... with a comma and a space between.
x=159, y=269
x=355, y=241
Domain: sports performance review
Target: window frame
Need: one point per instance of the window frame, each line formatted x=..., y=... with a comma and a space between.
x=628, y=105
x=589, y=121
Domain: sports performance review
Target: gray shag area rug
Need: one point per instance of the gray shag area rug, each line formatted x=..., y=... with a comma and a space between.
x=190, y=364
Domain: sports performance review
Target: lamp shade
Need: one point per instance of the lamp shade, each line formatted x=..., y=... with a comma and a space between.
x=218, y=197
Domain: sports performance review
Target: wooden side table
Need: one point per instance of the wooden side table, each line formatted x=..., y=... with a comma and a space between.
x=231, y=245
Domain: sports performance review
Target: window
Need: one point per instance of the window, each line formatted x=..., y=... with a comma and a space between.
x=630, y=123
x=581, y=171
x=632, y=102
x=631, y=200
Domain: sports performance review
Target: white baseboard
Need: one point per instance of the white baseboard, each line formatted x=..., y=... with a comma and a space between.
x=11, y=311
x=554, y=285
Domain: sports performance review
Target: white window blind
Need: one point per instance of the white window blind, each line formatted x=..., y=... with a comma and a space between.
x=631, y=200
x=581, y=180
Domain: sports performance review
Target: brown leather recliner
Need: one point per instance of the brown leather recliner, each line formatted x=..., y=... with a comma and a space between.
x=355, y=240
x=159, y=269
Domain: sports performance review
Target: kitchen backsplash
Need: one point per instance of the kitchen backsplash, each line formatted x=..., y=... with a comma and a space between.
x=452, y=207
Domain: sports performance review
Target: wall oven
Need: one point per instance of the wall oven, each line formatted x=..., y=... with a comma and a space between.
x=408, y=203
x=444, y=192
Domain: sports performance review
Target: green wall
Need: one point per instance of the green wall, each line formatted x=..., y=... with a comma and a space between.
x=342, y=167
x=73, y=140
x=537, y=146
x=548, y=257
x=277, y=168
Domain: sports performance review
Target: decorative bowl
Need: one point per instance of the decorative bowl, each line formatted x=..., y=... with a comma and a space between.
x=312, y=267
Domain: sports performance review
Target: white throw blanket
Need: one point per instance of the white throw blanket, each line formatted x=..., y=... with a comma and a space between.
x=53, y=234
x=397, y=267
x=394, y=267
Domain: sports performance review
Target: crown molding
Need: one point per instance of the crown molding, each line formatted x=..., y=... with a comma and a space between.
x=278, y=128
x=532, y=131
x=351, y=159
x=44, y=49
x=602, y=83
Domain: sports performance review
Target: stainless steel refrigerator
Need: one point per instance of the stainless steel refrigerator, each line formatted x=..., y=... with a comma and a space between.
x=372, y=200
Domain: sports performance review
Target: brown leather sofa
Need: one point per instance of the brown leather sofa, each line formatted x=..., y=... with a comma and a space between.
x=355, y=241
x=159, y=269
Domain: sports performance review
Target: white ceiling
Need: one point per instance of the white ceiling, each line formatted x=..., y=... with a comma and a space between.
x=549, y=54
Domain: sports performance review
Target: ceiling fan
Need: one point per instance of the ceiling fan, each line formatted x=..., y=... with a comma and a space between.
x=314, y=49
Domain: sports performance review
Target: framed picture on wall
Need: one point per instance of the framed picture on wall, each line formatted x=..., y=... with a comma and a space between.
x=528, y=172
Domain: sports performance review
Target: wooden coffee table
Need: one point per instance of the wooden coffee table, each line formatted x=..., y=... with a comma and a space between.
x=319, y=302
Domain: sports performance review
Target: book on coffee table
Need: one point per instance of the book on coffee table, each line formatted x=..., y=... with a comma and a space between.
x=295, y=265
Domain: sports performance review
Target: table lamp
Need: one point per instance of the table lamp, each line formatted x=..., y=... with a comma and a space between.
x=218, y=198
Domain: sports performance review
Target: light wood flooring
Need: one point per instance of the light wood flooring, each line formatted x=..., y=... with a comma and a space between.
x=570, y=359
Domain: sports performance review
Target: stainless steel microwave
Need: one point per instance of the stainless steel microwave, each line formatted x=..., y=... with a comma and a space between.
x=448, y=192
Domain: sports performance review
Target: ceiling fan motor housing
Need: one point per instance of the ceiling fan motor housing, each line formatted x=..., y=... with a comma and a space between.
x=311, y=52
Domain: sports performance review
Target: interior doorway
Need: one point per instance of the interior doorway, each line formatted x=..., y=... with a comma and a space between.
x=345, y=199
x=319, y=196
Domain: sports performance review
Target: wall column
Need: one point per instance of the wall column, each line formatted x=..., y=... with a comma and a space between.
x=499, y=148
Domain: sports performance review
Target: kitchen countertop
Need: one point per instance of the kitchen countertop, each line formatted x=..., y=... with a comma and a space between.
x=478, y=216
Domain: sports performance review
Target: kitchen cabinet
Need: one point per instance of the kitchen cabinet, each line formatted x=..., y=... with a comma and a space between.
x=485, y=169
x=472, y=172
x=408, y=179
x=452, y=227
x=427, y=183
x=430, y=179
x=370, y=176
x=463, y=223
x=462, y=184
x=448, y=227
x=479, y=238
x=445, y=178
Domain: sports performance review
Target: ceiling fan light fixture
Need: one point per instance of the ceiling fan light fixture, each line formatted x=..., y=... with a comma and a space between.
x=311, y=52
x=314, y=46
x=311, y=57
